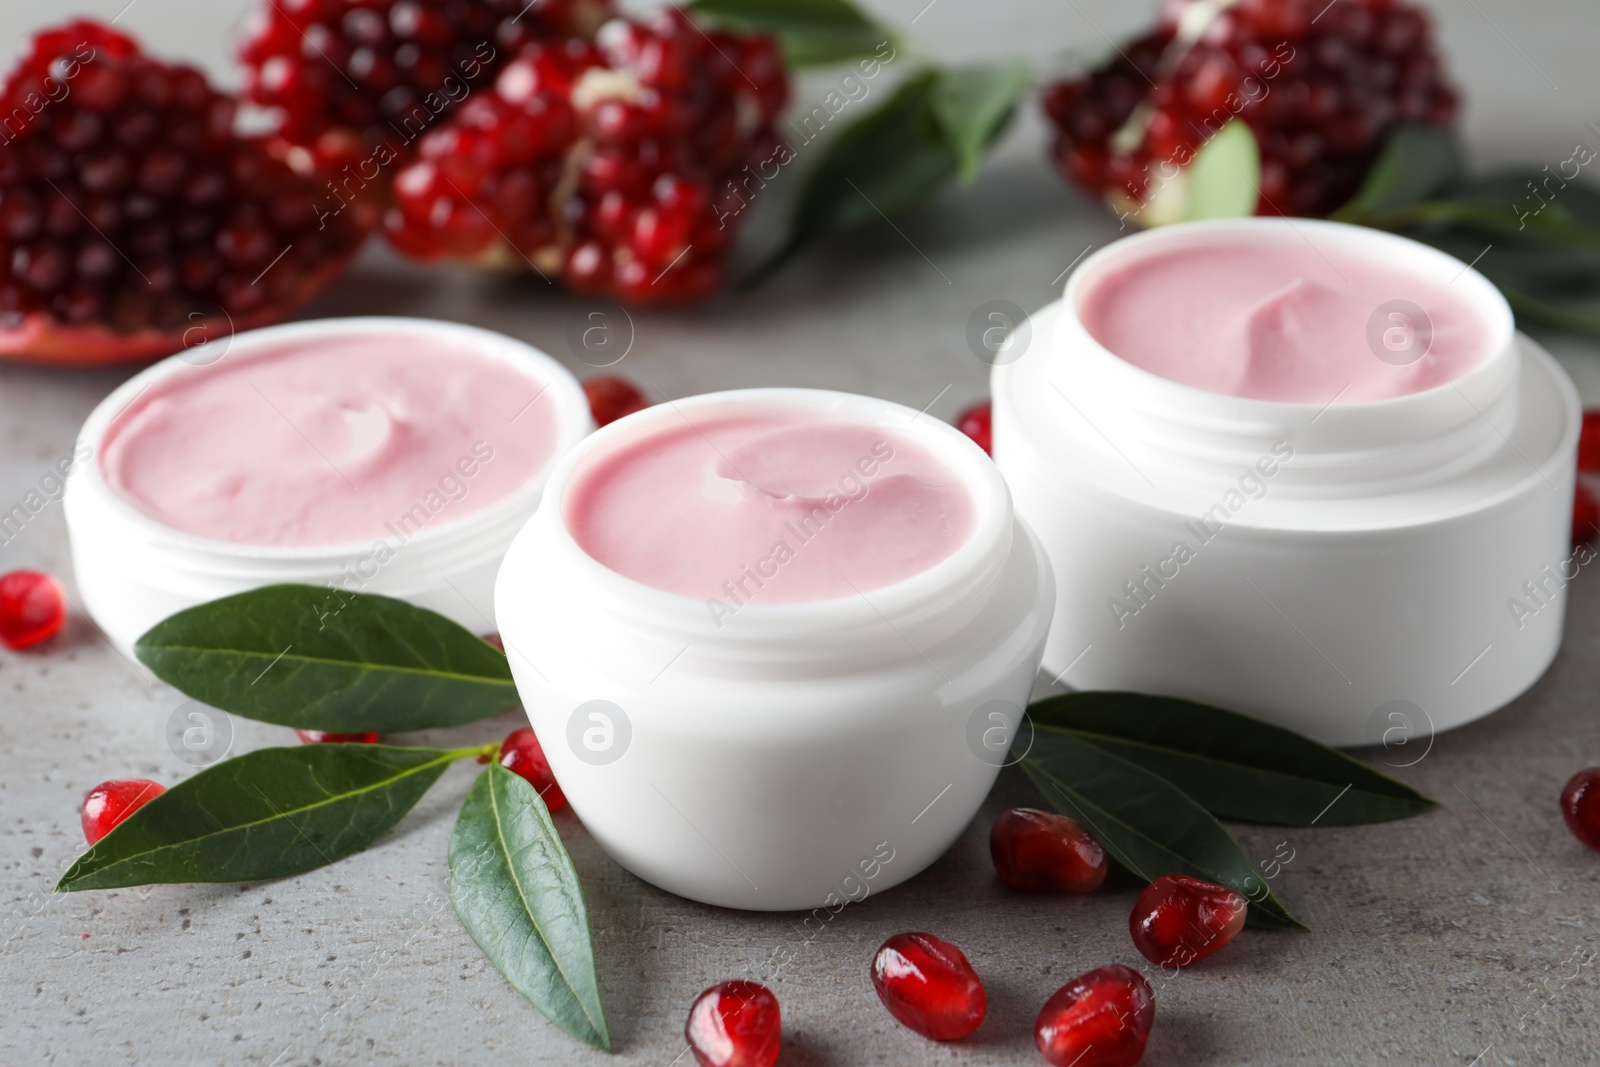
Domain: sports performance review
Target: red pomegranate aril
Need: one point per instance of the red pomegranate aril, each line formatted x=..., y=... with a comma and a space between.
x=977, y=423
x=1099, y=1019
x=1042, y=852
x=734, y=1024
x=1585, y=516
x=611, y=397
x=1580, y=806
x=522, y=754
x=32, y=609
x=108, y=803
x=1178, y=919
x=1588, y=436
x=928, y=985
x=324, y=737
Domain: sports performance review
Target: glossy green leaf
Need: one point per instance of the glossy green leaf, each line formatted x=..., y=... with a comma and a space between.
x=1417, y=162
x=973, y=106
x=894, y=158
x=322, y=659
x=265, y=814
x=1145, y=823
x=811, y=32
x=514, y=889
x=1234, y=766
x=1224, y=181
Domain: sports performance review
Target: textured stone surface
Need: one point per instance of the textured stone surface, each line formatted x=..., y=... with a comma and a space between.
x=1456, y=938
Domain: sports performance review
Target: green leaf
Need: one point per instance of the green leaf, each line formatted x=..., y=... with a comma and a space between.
x=265, y=814
x=1234, y=766
x=973, y=105
x=1417, y=162
x=323, y=659
x=514, y=889
x=891, y=159
x=811, y=32
x=1144, y=822
x=1224, y=181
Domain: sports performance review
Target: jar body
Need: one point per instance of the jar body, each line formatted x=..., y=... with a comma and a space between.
x=132, y=570
x=1368, y=574
x=779, y=767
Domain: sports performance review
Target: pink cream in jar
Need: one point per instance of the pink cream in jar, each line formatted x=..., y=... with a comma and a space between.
x=1283, y=319
x=769, y=507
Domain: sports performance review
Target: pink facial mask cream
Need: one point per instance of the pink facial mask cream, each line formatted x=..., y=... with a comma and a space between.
x=331, y=440
x=1283, y=320
x=768, y=508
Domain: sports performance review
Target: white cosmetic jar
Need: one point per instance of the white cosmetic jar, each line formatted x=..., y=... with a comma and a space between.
x=799, y=755
x=133, y=570
x=1360, y=581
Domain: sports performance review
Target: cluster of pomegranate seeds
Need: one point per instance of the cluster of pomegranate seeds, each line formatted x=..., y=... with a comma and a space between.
x=321, y=737
x=1099, y=1019
x=601, y=161
x=1042, y=852
x=611, y=397
x=734, y=1024
x=111, y=802
x=348, y=78
x=1580, y=806
x=521, y=753
x=928, y=985
x=976, y=423
x=129, y=208
x=32, y=609
x=1178, y=919
x=1320, y=85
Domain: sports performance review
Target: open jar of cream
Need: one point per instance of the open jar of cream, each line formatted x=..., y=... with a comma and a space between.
x=1300, y=469
x=775, y=642
x=380, y=455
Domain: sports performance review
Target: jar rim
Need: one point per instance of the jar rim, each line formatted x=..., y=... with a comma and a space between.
x=1487, y=302
x=972, y=561
x=574, y=423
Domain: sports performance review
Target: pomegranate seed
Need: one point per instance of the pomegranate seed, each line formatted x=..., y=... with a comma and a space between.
x=32, y=608
x=1178, y=920
x=321, y=737
x=734, y=1024
x=928, y=985
x=520, y=752
x=975, y=422
x=1589, y=442
x=611, y=397
x=1040, y=851
x=111, y=802
x=1580, y=806
x=1099, y=1019
x=1585, y=515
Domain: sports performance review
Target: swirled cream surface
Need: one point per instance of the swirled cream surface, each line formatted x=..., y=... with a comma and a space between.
x=331, y=440
x=768, y=507
x=1283, y=319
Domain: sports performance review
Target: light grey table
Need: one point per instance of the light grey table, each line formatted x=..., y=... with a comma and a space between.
x=1463, y=937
